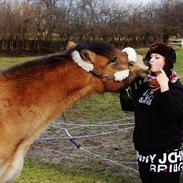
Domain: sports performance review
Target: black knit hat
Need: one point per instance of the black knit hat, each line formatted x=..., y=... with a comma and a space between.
x=164, y=50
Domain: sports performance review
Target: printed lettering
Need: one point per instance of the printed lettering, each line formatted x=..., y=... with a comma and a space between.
x=143, y=158
x=153, y=168
x=164, y=159
x=180, y=166
x=147, y=159
x=152, y=157
x=162, y=168
x=172, y=157
x=179, y=156
x=170, y=168
x=168, y=162
x=146, y=98
x=175, y=168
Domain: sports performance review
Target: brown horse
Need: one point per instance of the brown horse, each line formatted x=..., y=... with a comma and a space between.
x=33, y=93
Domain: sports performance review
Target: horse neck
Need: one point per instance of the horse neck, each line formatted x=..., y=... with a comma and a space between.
x=73, y=84
x=34, y=103
x=65, y=85
x=29, y=105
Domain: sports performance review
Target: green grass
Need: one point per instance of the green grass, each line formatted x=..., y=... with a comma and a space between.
x=43, y=173
x=8, y=61
x=96, y=108
x=179, y=63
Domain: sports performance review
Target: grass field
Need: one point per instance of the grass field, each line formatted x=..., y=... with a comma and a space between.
x=87, y=109
x=43, y=173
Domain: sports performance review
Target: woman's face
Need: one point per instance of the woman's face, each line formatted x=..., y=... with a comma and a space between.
x=156, y=62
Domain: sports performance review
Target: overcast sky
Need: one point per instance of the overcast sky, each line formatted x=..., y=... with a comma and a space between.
x=139, y=1
x=121, y=2
x=136, y=1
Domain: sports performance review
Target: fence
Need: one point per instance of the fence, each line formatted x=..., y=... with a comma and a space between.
x=31, y=45
x=176, y=42
x=27, y=45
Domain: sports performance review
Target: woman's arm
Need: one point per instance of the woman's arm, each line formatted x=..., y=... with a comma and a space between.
x=171, y=103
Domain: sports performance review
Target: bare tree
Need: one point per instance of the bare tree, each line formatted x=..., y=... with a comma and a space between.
x=36, y=24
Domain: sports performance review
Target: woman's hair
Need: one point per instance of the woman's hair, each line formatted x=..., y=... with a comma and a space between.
x=164, y=50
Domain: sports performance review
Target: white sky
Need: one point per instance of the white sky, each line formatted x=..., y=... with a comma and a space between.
x=121, y=2
x=136, y=1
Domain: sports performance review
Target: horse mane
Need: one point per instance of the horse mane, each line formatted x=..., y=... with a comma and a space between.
x=40, y=64
x=97, y=47
x=52, y=60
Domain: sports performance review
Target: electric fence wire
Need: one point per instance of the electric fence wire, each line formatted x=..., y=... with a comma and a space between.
x=102, y=124
x=86, y=136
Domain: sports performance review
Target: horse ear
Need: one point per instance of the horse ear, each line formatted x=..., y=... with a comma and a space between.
x=70, y=45
x=88, y=55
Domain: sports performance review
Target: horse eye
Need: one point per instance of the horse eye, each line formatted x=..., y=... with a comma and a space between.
x=113, y=60
x=131, y=64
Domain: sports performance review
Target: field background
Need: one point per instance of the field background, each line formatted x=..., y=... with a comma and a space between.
x=48, y=160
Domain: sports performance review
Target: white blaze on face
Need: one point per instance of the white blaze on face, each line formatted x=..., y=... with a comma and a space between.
x=132, y=57
x=80, y=62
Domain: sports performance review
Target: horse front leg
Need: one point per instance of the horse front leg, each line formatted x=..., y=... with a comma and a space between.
x=12, y=166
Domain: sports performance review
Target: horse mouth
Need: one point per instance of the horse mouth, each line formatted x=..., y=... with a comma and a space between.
x=144, y=73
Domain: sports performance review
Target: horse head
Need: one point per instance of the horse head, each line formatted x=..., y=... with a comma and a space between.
x=115, y=68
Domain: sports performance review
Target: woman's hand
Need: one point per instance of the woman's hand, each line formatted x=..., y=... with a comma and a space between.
x=163, y=80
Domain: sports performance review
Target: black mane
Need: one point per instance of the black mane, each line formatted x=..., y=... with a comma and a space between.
x=97, y=47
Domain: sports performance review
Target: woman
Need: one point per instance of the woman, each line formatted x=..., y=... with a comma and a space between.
x=158, y=106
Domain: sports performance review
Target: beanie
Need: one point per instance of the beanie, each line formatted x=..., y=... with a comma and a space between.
x=164, y=50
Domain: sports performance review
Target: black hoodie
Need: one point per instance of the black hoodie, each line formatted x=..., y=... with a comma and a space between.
x=158, y=118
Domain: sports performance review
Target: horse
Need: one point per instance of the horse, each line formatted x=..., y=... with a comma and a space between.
x=34, y=92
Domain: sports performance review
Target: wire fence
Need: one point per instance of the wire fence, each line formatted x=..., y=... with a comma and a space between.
x=103, y=144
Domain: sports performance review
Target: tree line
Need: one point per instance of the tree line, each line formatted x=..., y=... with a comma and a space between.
x=46, y=25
